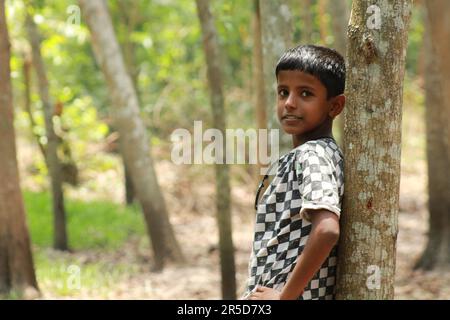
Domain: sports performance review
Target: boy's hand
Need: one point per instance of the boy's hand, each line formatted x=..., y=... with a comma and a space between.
x=265, y=293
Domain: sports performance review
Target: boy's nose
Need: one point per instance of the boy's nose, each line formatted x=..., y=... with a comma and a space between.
x=290, y=102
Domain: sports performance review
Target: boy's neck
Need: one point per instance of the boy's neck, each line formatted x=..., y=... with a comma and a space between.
x=298, y=140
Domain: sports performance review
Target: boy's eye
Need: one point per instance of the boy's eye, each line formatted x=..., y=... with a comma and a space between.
x=283, y=93
x=306, y=93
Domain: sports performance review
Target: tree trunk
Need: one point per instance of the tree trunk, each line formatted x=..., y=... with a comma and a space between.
x=258, y=76
x=369, y=226
x=277, y=36
x=129, y=189
x=420, y=10
x=134, y=142
x=339, y=12
x=323, y=26
x=340, y=15
x=16, y=261
x=129, y=16
x=308, y=21
x=437, y=252
x=27, y=93
x=211, y=48
x=53, y=162
x=440, y=34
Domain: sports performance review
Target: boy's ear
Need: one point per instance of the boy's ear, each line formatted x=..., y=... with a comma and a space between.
x=337, y=105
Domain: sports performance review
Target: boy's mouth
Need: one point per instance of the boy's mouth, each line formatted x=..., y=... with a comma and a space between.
x=291, y=117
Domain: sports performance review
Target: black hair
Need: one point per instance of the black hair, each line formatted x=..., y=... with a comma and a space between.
x=325, y=64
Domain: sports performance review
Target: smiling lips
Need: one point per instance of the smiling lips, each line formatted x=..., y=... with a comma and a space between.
x=291, y=117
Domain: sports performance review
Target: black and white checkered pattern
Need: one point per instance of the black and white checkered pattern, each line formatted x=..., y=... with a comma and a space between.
x=311, y=176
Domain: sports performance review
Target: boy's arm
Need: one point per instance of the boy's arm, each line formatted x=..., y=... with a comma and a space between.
x=324, y=235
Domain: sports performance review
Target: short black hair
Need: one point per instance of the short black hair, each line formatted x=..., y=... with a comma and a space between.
x=325, y=64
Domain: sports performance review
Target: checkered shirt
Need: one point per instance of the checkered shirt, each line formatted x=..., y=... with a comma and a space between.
x=310, y=176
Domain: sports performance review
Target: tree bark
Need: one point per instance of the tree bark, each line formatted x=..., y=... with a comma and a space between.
x=437, y=85
x=130, y=16
x=323, y=26
x=16, y=260
x=440, y=35
x=53, y=162
x=339, y=18
x=134, y=142
x=129, y=189
x=258, y=76
x=27, y=93
x=214, y=71
x=340, y=15
x=277, y=36
x=308, y=21
x=369, y=225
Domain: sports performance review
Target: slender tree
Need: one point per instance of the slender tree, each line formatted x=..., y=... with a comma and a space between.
x=134, y=141
x=259, y=91
x=27, y=62
x=437, y=87
x=321, y=17
x=340, y=15
x=53, y=162
x=16, y=261
x=214, y=71
x=130, y=17
x=377, y=40
x=277, y=36
x=307, y=17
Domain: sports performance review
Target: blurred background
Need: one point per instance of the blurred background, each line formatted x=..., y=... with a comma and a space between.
x=105, y=251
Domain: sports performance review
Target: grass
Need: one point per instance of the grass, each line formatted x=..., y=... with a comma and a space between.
x=93, y=228
x=66, y=275
x=96, y=224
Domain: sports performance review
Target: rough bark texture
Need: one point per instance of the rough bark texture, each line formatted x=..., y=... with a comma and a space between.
x=437, y=252
x=214, y=71
x=277, y=31
x=134, y=142
x=258, y=75
x=52, y=160
x=16, y=261
x=369, y=225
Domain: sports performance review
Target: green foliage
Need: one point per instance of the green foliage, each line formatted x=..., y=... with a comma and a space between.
x=415, y=40
x=90, y=224
x=82, y=133
x=162, y=47
x=161, y=42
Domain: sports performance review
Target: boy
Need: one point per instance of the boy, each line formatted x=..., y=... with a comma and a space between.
x=297, y=220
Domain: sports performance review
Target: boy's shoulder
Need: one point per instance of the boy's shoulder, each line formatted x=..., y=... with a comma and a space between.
x=323, y=148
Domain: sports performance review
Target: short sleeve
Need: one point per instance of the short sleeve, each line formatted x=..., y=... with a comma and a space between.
x=319, y=188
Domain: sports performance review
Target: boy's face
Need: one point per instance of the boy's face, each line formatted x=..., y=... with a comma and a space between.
x=302, y=104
